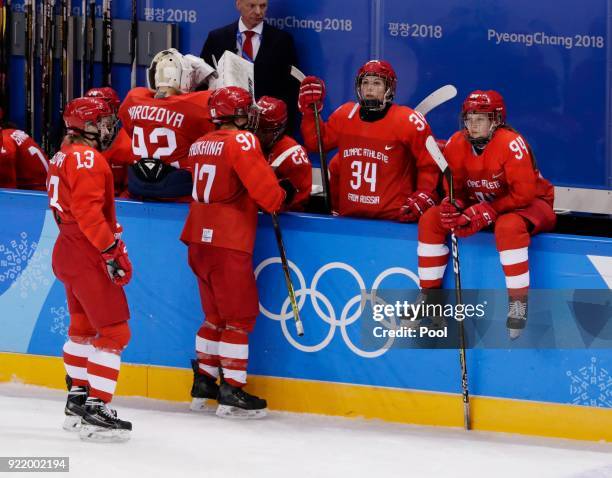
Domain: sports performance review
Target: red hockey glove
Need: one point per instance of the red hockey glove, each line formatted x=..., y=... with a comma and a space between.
x=312, y=93
x=479, y=216
x=117, y=263
x=450, y=214
x=416, y=205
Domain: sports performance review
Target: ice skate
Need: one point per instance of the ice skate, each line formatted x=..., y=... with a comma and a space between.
x=100, y=423
x=234, y=402
x=75, y=408
x=517, y=317
x=204, y=391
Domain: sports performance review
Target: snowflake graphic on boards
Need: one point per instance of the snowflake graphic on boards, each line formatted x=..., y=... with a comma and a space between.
x=591, y=385
x=61, y=319
x=21, y=261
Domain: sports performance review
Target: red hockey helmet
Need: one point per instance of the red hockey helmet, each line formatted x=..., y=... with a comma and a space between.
x=228, y=103
x=489, y=101
x=92, y=118
x=269, y=119
x=381, y=69
x=107, y=94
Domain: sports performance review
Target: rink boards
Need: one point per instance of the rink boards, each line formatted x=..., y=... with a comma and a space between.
x=557, y=381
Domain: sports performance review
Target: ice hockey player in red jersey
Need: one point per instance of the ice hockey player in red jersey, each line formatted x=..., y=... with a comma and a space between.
x=287, y=157
x=231, y=180
x=119, y=153
x=163, y=121
x=23, y=164
x=497, y=184
x=92, y=262
x=383, y=169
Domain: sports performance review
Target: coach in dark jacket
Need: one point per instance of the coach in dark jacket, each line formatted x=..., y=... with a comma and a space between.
x=272, y=51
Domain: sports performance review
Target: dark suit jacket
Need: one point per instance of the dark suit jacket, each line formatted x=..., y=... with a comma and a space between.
x=272, y=64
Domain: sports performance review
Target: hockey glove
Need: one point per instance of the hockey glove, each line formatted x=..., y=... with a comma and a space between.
x=312, y=93
x=450, y=214
x=117, y=263
x=416, y=205
x=478, y=217
x=289, y=192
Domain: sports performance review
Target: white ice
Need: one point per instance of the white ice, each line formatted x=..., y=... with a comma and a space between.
x=170, y=441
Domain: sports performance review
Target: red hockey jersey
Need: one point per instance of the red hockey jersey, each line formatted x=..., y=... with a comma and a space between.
x=23, y=164
x=80, y=188
x=504, y=174
x=230, y=180
x=289, y=160
x=120, y=157
x=165, y=128
x=379, y=163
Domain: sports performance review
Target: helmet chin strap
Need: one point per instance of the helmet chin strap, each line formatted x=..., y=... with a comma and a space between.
x=480, y=143
x=372, y=105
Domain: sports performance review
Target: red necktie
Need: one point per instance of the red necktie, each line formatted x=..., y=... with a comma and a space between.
x=247, y=47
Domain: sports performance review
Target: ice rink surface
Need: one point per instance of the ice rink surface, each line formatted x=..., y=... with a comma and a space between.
x=170, y=441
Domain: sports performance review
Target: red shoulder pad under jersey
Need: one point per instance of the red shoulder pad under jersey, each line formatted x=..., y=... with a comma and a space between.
x=330, y=129
x=80, y=188
x=414, y=132
x=30, y=162
x=289, y=160
x=165, y=128
x=247, y=159
x=519, y=172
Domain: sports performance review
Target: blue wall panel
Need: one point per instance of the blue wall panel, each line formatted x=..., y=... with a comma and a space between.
x=333, y=261
x=555, y=77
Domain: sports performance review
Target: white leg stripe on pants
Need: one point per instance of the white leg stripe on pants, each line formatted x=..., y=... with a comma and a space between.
x=234, y=351
x=513, y=256
x=237, y=375
x=79, y=373
x=517, y=282
x=431, y=273
x=107, y=359
x=78, y=350
x=214, y=371
x=102, y=384
x=206, y=346
x=431, y=250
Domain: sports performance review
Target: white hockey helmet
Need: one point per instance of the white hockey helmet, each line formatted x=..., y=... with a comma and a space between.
x=182, y=72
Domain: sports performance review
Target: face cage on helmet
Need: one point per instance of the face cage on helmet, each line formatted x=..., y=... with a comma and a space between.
x=103, y=138
x=374, y=105
x=262, y=133
x=495, y=119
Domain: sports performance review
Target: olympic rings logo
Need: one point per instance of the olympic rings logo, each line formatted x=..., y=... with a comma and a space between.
x=327, y=313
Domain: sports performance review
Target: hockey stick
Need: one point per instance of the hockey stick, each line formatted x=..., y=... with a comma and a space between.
x=83, y=43
x=44, y=68
x=440, y=160
x=63, y=36
x=134, y=44
x=436, y=98
x=50, y=67
x=27, y=9
x=107, y=42
x=5, y=61
x=298, y=75
x=281, y=249
x=91, y=43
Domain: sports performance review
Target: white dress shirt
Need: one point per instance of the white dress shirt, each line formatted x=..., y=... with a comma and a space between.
x=255, y=39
